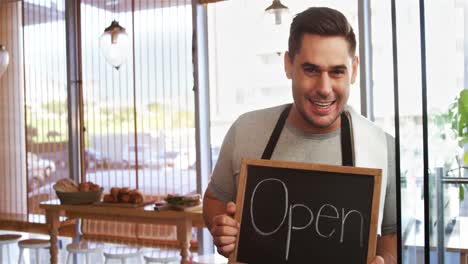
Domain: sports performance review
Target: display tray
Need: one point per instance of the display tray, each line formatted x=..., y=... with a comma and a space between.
x=166, y=206
x=125, y=205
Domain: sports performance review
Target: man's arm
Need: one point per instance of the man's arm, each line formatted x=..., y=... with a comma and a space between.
x=219, y=218
x=387, y=248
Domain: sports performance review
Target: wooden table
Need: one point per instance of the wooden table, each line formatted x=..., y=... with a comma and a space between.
x=184, y=221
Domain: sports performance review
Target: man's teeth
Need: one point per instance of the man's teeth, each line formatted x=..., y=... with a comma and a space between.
x=322, y=104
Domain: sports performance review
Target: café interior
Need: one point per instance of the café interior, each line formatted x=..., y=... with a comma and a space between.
x=130, y=100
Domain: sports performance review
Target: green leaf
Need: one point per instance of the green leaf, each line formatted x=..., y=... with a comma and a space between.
x=461, y=193
x=465, y=157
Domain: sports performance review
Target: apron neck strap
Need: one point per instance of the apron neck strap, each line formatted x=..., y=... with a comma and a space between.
x=346, y=146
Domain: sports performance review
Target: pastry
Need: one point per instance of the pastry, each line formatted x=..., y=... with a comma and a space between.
x=136, y=197
x=124, y=195
x=108, y=199
x=114, y=191
x=94, y=187
x=83, y=187
x=66, y=185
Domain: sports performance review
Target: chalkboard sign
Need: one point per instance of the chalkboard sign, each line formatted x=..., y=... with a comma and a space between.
x=306, y=213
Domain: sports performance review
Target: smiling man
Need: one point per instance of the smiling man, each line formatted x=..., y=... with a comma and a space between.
x=318, y=127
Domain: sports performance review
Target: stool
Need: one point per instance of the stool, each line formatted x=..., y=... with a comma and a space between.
x=122, y=254
x=6, y=240
x=32, y=243
x=82, y=247
x=162, y=256
x=210, y=259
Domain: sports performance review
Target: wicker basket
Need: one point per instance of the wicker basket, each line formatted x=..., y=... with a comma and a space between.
x=74, y=198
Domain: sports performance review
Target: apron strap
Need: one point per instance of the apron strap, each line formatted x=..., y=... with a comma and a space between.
x=346, y=146
x=276, y=133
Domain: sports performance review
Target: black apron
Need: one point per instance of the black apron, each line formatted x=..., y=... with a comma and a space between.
x=346, y=147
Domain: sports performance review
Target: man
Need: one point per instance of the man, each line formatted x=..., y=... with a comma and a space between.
x=322, y=65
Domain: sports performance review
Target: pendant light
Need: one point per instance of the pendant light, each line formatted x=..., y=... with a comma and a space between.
x=278, y=11
x=115, y=43
x=4, y=59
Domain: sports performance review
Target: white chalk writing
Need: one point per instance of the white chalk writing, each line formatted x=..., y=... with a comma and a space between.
x=327, y=212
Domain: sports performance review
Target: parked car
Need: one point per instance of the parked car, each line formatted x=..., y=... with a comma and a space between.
x=94, y=159
x=146, y=158
x=38, y=170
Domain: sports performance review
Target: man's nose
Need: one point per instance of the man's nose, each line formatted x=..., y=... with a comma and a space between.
x=324, y=87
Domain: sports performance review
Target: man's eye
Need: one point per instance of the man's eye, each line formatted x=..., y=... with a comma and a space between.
x=337, y=73
x=311, y=70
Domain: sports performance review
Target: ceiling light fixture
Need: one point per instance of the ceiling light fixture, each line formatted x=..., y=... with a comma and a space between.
x=115, y=43
x=278, y=10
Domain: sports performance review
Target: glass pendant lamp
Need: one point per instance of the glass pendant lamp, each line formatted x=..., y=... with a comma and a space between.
x=115, y=43
x=278, y=11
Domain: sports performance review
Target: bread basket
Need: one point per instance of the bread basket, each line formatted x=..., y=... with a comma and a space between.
x=74, y=198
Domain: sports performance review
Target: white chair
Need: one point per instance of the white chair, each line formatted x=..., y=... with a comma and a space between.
x=82, y=247
x=6, y=240
x=162, y=256
x=121, y=253
x=32, y=243
x=209, y=259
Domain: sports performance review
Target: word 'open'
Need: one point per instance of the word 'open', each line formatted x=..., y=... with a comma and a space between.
x=321, y=213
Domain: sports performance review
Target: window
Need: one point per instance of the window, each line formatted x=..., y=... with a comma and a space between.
x=140, y=118
x=246, y=59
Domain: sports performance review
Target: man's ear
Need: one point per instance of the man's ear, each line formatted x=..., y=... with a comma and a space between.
x=287, y=65
x=355, y=68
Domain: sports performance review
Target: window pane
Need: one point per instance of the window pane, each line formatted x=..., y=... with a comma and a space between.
x=139, y=118
x=445, y=80
x=46, y=99
x=246, y=59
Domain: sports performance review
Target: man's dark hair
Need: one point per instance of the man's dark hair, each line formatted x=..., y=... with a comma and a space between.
x=322, y=21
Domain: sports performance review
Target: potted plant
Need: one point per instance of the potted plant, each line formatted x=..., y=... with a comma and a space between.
x=458, y=115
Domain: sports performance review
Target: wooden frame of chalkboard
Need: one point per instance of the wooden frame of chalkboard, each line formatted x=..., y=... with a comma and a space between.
x=292, y=212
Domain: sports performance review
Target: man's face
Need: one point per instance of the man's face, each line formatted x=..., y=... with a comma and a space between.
x=321, y=74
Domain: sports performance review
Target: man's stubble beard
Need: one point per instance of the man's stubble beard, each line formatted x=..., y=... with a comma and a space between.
x=313, y=124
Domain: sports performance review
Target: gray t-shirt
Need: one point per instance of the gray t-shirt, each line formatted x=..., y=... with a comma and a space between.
x=249, y=135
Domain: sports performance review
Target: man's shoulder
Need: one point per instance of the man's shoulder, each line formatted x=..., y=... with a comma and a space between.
x=362, y=120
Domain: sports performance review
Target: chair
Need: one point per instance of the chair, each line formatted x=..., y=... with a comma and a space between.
x=82, y=247
x=122, y=254
x=32, y=243
x=209, y=259
x=6, y=240
x=162, y=256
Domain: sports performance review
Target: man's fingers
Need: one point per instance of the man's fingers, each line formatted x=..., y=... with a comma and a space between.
x=224, y=240
x=378, y=260
x=224, y=220
x=224, y=231
x=226, y=250
x=231, y=209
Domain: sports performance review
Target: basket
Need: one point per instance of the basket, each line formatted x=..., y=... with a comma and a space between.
x=74, y=198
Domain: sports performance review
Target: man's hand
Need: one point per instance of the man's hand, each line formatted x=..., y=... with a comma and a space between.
x=224, y=230
x=377, y=260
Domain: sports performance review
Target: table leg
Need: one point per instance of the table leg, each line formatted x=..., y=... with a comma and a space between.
x=52, y=218
x=184, y=234
x=462, y=258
